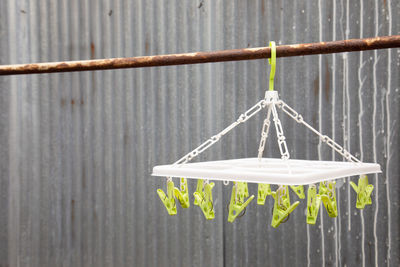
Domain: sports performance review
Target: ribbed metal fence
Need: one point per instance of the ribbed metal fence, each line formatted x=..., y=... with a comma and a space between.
x=77, y=149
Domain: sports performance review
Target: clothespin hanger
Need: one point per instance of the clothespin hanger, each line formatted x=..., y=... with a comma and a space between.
x=264, y=190
x=299, y=190
x=182, y=194
x=282, y=206
x=363, y=190
x=169, y=201
x=313, y=204
x=328, y=197
x=238, y=203
x=204, y=199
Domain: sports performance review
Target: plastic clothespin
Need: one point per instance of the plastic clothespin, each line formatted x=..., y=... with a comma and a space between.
x=199, y=191
x=313, y=204
x=169, y=201
x=328, y=197
x=282, y=206
x=299, y=190
x=237, y=203
x=204, y=199
x=182, y=194
x=272, y=62
x=363, y=190
x=264, y=190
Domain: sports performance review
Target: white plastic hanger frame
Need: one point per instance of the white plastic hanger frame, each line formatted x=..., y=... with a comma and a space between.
x=268, y=170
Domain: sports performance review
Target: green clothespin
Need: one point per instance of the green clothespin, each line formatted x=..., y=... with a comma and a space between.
x=328, y=197
x=169, y=202
x=299, y=190
x=282, y=207
x=272, y=62
x=237, y=203
x=183, y=194
x=313, y=203
x=363, y=190
x=204, y=199
x=199, y=191
x=264, y=190
x=244, y=188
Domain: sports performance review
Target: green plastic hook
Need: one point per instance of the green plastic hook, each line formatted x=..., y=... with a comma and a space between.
x=264, y=190
x=328, y=197
x=299, y=190
x=204, y=199
x=313, y=204
x=282, y=206
x=237, y=204
x=363, y=190
x=272, y=62
x=169, y=201
x=182, y=194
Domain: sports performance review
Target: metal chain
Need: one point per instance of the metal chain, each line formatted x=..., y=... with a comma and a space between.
x=324, y=138
x=279, y=134
x=242, y=118
x=264, y=133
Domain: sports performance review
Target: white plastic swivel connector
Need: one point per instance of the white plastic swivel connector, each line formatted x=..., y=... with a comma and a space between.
x=271, y=97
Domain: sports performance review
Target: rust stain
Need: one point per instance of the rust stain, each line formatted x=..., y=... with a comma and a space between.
x=63, y=102
x=146, y=46
x=72, y=102
x=83, y=177
x=91, y=50
x=72, y=219
x=316, y=86
x=126, y=139
x=262, y=7
x=327, y=86
x=82, y=102
x=72, y=210
x=316, y=92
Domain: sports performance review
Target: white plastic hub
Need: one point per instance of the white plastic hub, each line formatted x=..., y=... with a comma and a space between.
x=271, y=97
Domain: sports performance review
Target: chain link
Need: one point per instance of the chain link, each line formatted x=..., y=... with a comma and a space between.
x=279, y=134
x=264, y=134
x=324, y=138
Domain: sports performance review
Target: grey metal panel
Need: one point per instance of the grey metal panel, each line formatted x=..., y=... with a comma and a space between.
x=78, y=148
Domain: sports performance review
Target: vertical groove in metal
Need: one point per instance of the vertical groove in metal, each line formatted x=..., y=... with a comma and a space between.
x=78, y=148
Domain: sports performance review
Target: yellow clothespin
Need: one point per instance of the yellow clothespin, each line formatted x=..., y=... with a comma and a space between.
x=313, y=204
x=183, y=194
x=364, y=191
x=169, y=201
x=299, y=190
x=204, y=199
x=282, y=206
x=264, y=190
x=328, y=197
x=238, y=203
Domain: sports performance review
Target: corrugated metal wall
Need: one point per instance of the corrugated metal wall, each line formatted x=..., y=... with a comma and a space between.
x=77, y=149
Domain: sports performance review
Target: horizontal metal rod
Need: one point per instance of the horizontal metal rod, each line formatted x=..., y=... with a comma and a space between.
x=205, y=57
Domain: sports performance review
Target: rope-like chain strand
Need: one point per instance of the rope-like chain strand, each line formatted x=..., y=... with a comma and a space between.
x=242, y=118
x=324, y=138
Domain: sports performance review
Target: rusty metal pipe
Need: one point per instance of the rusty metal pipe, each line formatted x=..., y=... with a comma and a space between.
x=205, y=57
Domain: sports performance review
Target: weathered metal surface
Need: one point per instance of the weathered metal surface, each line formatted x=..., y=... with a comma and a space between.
x=352, y=45
x=77, y=149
